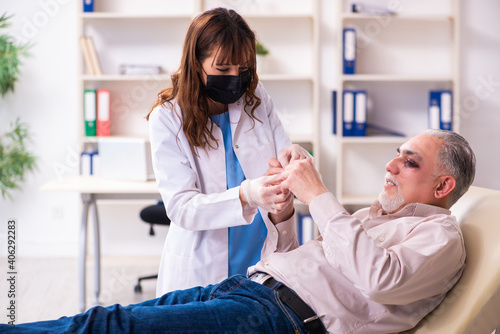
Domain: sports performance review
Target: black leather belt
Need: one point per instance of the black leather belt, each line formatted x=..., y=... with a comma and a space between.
x=290, y=299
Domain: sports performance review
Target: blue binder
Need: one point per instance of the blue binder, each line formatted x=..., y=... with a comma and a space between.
x=354, y=112
x=349, y=50
x=440, y=109
x=359, y=113
x=446, y=119
x=334, y=111
x=348, y=113
x=88, y=6
x=305, y=228
x=88, y=163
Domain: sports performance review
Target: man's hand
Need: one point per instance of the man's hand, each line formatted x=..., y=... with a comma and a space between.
x=292, y=153
x=303, y=180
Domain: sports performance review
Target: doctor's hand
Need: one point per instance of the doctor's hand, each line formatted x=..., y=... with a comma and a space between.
x=274, y=167
x=303, y=180
x=292, y=153
x=266, y=192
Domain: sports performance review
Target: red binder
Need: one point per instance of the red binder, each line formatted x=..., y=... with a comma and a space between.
x=103, y=103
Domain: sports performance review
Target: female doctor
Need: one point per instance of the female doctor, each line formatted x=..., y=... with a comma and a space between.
x=215, y=138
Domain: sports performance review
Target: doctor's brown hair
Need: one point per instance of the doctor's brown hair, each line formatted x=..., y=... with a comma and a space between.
x=226, y=33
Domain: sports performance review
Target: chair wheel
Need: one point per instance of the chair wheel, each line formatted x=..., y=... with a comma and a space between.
x=138, y=288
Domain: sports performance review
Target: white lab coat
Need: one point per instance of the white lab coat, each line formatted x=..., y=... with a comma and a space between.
x=195, y=193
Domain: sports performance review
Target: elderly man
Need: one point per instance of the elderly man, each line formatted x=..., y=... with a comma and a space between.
x=379, y=270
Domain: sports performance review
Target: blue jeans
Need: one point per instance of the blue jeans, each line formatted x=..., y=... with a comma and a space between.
x=236, y=305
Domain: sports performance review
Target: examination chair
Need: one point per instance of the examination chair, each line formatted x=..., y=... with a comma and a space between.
x=473, y=305
x=153, y=215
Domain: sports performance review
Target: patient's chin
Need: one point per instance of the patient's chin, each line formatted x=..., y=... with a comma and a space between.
x=391, y=203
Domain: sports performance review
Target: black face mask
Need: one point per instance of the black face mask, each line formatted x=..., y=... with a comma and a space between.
x=227, y=89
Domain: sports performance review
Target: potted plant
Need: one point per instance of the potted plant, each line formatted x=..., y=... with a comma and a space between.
x=15, y=159
x=261, y=52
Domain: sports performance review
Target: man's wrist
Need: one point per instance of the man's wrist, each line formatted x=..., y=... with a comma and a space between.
x=283, y=216
x=315, y=193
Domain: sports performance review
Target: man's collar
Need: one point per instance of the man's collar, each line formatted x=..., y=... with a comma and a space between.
x=410, y=210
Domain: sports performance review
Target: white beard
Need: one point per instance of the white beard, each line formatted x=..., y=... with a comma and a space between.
x=391, y=203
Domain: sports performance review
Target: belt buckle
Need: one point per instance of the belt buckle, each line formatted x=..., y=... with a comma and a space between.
x=314, y=317
x=259, y=277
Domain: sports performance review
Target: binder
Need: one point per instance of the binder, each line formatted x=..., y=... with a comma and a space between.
x=434, y=109
x=94, y=60
x=440, y=109
x=87, y=163
x=446, y=110
x=90, y=112
x=94, y=163
x=86, y=56
x=349, y=50
x=90, y=58
x=354, y=113
x=305, y=229
x=347, y=113
x=359, y=113
x=334, y=111
x=88, y=6
x=103, y=104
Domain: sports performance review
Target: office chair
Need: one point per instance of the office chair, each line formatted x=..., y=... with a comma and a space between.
x=153, y=214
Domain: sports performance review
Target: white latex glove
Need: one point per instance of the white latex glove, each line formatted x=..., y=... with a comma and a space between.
x=266, y=192
x=292, y=153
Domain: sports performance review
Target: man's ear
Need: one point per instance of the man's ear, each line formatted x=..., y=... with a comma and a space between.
x=445, y=186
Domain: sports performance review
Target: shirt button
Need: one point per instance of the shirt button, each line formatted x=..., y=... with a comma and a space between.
x=284, y=232
x=237, y=146
x=275, y=233
x=266, y=263
x=381, y=239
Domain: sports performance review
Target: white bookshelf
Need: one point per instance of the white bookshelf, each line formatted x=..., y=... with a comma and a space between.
x=152, y=32
x=399, y=59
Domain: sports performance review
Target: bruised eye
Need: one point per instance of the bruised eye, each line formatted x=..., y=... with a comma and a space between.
x=411, y=163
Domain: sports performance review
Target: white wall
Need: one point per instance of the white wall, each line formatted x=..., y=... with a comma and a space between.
x=45, y=99
x=46, y=94
x=480, y=86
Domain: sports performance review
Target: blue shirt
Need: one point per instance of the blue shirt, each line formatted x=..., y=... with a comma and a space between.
x=245, y=241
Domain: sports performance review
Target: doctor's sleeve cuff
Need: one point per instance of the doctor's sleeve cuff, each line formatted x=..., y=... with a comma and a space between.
x=249, y=213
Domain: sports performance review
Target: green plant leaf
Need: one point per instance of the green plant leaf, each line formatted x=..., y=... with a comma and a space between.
x=10, y=55
x=260, y=49
x=15, y=159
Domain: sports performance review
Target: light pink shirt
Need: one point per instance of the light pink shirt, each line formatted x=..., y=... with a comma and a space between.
x=371, y=272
